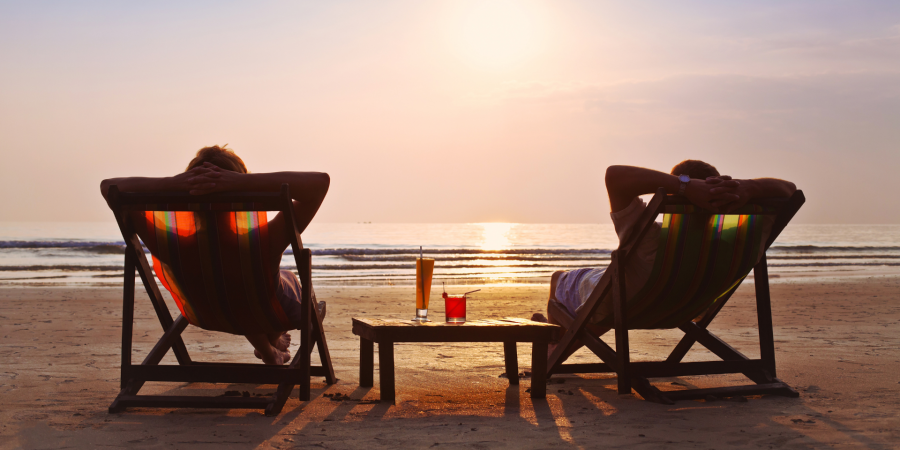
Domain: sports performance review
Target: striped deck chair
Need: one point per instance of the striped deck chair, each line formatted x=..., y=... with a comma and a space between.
x=701, y=260
x=210, y=254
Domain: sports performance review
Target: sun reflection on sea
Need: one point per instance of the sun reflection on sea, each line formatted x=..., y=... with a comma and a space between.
x=495, y=236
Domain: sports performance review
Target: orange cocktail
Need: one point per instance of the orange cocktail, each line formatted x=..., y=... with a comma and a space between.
x=424, y=272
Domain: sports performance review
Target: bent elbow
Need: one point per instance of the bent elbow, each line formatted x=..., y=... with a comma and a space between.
x=324, y=182
x=789, y=189
x=104, y=188
x=613, y=175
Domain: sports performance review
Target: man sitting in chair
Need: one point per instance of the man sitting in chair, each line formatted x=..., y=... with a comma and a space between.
x=700, y=182
x=216, y=169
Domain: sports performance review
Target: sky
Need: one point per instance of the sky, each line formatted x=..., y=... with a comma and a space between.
x=452, y=111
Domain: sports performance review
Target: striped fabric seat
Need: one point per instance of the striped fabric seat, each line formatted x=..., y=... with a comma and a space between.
x=215, y=265
x=700, y=258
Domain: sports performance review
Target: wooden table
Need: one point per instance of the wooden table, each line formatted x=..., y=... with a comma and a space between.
x=507, y=330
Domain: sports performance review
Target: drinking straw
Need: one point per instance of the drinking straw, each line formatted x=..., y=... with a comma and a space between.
x=467, y=293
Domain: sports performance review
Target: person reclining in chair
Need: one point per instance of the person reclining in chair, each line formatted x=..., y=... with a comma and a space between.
x=218, y=169
x=700, y=182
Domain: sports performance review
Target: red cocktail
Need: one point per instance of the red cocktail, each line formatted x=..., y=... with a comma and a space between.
x=455, y=307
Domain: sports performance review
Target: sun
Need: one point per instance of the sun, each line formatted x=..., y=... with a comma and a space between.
x=497, y=34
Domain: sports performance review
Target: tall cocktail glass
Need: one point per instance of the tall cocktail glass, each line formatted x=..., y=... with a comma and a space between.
x=424, y=272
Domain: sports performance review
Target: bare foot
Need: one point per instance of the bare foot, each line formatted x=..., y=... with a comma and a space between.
x=281, y=357
x=282, y=342
x=538, y=317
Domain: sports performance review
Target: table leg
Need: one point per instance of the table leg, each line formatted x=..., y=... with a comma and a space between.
x=539, y=370
x=366, y=362
x=386, y=370
x=511, y=357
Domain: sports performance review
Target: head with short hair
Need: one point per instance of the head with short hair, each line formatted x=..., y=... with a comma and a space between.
x=695, y=169
x=218, y=156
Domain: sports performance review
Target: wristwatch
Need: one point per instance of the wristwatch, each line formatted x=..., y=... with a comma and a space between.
x=684, y=179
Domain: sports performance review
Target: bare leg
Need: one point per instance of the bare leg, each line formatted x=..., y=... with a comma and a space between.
x=538, y=317
x=265, y=351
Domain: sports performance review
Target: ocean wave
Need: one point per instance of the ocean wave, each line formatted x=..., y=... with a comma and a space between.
x=61, y=267
x=783, y=257
x=412, y=267
x=59, y=244
x=502, y=257
x=455, y=251
x=835, y=264
x=824, y=248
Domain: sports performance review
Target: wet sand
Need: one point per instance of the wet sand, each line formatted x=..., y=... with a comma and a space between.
x=837, y=342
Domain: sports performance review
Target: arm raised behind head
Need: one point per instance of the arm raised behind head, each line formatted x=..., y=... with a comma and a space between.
x=758, y=188
x=624, y=183
x=306, y=187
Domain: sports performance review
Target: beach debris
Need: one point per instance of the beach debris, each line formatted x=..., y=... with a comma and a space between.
x=341, y=397
x=563, y=391
x=237, y=394
x=803, y=421
x=338, y=397
x=525, y=374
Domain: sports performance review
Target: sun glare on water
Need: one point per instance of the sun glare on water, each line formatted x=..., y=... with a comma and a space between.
x=496, y=34
x=495, y=236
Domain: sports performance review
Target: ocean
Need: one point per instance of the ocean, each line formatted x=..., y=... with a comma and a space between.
x=378, y=254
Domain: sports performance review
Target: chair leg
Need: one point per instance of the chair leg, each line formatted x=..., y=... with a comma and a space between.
x=650, y=392
x=322, y=345
x=554, y=360
x=279, y=399
x=622, y=354
x=621, y=325
x=764, y=316
x=127, y=317
x=306, y=313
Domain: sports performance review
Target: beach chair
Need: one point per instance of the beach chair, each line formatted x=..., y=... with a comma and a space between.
x=219, y=280
x=701, y=260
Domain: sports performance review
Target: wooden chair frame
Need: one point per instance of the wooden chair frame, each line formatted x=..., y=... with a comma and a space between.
x=133, y=376
x=636, y=374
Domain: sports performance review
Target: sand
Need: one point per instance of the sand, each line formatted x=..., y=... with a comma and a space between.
x=837, y=342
